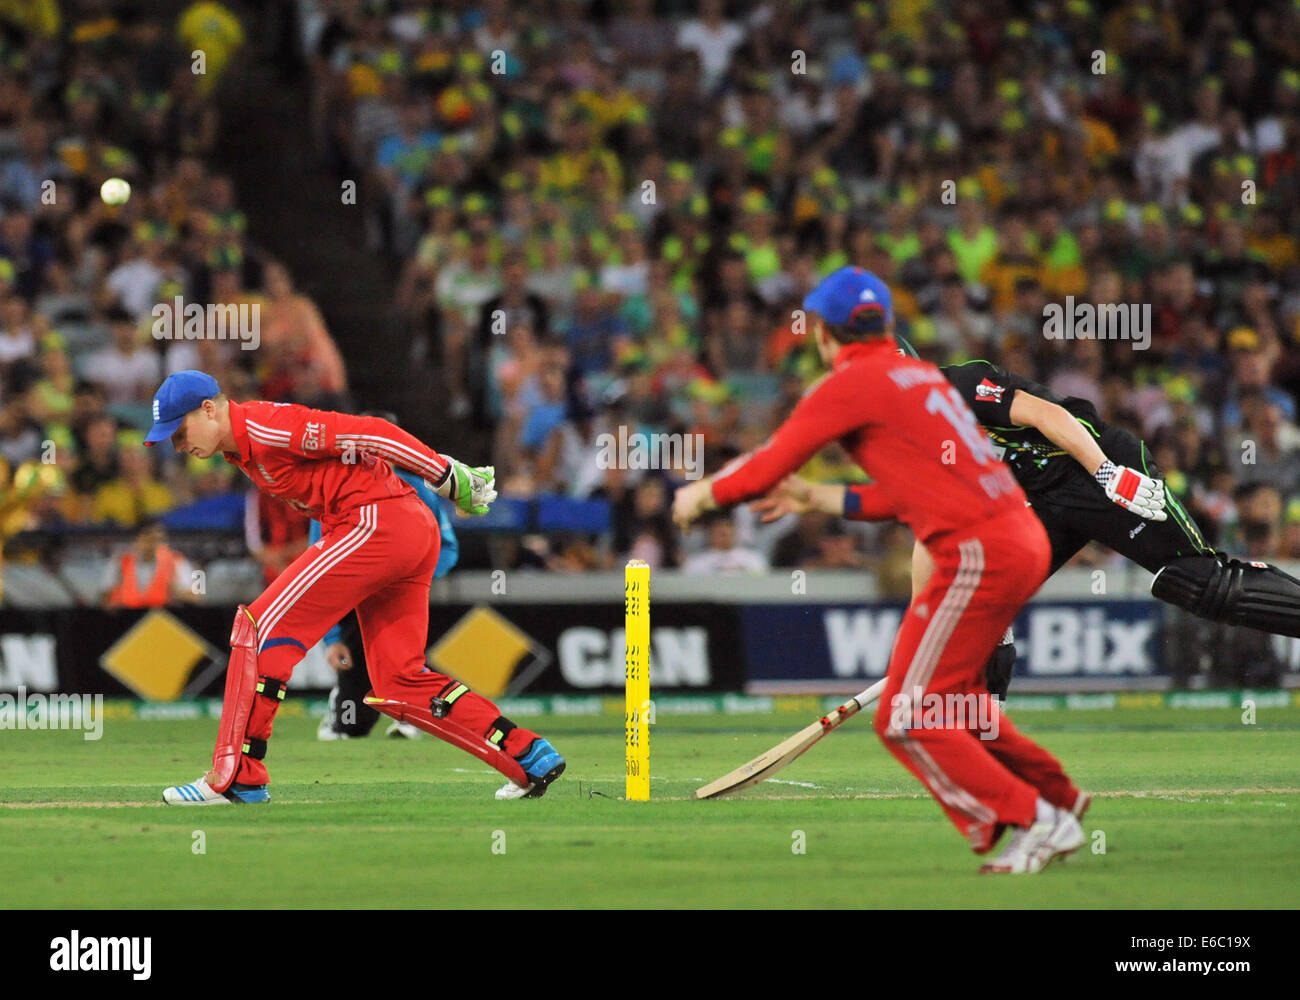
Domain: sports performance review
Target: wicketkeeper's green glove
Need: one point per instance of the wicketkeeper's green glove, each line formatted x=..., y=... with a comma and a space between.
x=471, y=489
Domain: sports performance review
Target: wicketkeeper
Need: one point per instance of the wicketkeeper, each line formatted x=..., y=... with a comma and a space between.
x=377, y=553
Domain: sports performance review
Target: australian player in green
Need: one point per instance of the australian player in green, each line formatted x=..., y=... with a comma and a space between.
x=1086, y=481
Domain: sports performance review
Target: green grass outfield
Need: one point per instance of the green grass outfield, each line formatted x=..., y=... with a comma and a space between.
x=1197, y=809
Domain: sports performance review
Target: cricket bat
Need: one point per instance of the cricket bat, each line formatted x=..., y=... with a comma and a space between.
x=767, y=764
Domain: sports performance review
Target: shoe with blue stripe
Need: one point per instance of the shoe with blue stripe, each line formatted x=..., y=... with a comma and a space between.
x=542, y=763
x=200, y=793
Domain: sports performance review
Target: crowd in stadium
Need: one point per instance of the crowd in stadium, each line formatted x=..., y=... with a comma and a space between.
x=607, y=214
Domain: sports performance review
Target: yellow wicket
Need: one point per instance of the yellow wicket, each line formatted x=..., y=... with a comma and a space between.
x=636, y=631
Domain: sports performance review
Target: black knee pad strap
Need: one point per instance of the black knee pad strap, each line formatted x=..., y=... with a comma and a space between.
x=269, y=687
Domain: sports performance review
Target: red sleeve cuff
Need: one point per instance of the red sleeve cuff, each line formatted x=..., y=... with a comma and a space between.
x=867, y=502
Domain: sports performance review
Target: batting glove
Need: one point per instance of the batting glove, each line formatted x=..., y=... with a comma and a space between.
x=1133, y=491
x=471, y=489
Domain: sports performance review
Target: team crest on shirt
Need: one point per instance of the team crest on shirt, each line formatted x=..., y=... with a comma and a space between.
x=987, y=392
x=311, y=436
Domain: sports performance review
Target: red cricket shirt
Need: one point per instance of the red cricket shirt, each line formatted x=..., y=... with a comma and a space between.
x=322, y=463
x=906, y=425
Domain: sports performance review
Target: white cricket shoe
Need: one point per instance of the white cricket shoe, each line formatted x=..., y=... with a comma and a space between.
x=542, y=764
x=200, y=793
x=512, y=791
x=1031, y=848
x=403, y=731
x=196, y=793
x=326, y=731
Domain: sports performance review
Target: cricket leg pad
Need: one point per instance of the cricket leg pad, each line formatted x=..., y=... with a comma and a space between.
x=1233, y=592
x=247, y=711
x=451, y=732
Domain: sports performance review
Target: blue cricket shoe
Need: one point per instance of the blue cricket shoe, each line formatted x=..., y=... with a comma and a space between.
x=542, y=763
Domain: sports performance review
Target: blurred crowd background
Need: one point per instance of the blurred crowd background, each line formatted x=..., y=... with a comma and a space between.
x=606, y=214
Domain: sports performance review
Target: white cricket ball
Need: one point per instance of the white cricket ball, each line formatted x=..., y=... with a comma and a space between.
x=115, y=191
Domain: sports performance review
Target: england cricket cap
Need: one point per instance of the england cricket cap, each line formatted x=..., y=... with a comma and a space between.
x=180, y=393
x=851, y=297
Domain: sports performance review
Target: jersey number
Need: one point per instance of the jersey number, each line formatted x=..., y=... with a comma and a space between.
x=950, y=406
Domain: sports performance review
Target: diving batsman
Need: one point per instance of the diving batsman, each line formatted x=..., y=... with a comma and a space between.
x=1086, y=481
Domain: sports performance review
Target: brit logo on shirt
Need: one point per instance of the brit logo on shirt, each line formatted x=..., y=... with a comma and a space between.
x=311, y=437
x=987, y=392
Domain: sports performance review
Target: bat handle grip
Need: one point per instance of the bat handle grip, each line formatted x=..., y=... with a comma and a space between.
x=871, y=695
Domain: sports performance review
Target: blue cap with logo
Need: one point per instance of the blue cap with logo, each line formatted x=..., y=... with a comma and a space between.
x=852, y=297
x=180, y=393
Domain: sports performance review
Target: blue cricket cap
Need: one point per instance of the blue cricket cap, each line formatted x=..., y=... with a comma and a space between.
x=180, y=393
x=852, y=297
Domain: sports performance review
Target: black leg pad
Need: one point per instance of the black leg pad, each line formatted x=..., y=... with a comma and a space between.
x=1232, y=591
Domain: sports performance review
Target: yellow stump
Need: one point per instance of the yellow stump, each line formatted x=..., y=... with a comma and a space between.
x=636, y=601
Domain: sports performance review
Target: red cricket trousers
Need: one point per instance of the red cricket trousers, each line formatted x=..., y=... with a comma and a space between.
x=379, y=558
x=935, y=703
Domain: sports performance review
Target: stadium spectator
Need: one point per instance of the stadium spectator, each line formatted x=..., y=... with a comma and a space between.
x=1250, y=373
x=837, y=549
x=643, y=527
x=128, y=369
x=50, y=397
x=713, y=38
x=1268, y=447
x=98, y=464
x=213, y=29
x=150, y=574
x=135, y=496
x=305, y=362
x=1258, y=529
x=17, y=341
x=799, y=546
x=723, y=554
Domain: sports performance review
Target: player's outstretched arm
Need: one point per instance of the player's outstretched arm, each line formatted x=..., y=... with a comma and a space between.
x=1127, y=487
x=793, y=495
x=829, y=411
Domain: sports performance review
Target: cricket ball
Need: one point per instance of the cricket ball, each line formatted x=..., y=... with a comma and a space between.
x=115, y=191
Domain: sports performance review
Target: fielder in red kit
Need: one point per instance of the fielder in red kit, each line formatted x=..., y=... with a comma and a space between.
x=934, y=470
x=377, y=553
